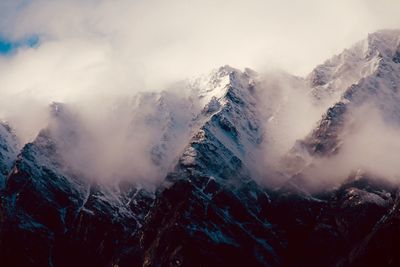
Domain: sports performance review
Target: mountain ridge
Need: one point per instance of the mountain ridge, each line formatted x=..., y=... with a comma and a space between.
x=211, y=207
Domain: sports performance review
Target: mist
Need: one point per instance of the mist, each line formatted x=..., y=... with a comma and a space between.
x=369, y=146
x=289, y=112
x=368, y=143
x=134, y=139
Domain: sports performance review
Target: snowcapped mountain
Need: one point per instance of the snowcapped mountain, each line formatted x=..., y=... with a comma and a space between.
x=206, y=203
x=377, y=53
x=374, y=69
x=211, y=203
x=9, y=146
x=53, y=212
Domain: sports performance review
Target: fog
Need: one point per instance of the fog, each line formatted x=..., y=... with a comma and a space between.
x=369, y=146
x=97, y=55
x=289, y=112
x=133, y=138
x=367, y=142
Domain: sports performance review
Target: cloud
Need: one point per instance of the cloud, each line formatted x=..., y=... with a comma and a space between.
x=369, y=143
x=169, y=36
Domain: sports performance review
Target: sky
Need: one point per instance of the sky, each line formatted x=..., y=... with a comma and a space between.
x=187, y=36
x=7, y=47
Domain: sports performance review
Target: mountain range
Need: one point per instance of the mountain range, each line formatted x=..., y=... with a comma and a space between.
x=209, y=187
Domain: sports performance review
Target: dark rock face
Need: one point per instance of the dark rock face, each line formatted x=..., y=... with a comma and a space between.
x=380, y=246
x=211, y=212
x=324, y=140
x=218, y=227
x=189, y=228
x=37, y=204
x=396, y=58
x=8, y=151
x=53, y=218
x=321, y=230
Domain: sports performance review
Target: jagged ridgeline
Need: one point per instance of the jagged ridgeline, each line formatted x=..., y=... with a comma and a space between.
x=204, y=190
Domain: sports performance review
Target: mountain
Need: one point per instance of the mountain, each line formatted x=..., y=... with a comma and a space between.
x=51, y=215
x=211, y=212
x=9, y=148
x=208, y=200
x=374, y=71
x=375, y=56
x=362, y=78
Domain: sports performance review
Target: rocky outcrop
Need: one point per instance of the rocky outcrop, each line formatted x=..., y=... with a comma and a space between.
x=54, y=217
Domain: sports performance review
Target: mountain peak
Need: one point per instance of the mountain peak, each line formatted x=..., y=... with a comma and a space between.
x=385, y=43
x=220, y=82
x=366, y=58
x=8, y=150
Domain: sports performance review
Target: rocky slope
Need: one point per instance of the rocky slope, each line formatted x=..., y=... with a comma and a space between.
x=54, y=217
x=375, y=78
x=212, y=212
x=210, y=208
x=9, y=148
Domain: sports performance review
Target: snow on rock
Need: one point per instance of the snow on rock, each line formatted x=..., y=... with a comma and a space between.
x=331, y=79
x=172, y=119
x=214, y=84
x=228, y=125
x=9, y=148
x=374, y=80
x=211, y=201
x=47, y=202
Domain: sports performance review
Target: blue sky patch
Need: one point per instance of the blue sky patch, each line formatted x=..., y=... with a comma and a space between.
x=8, y=46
